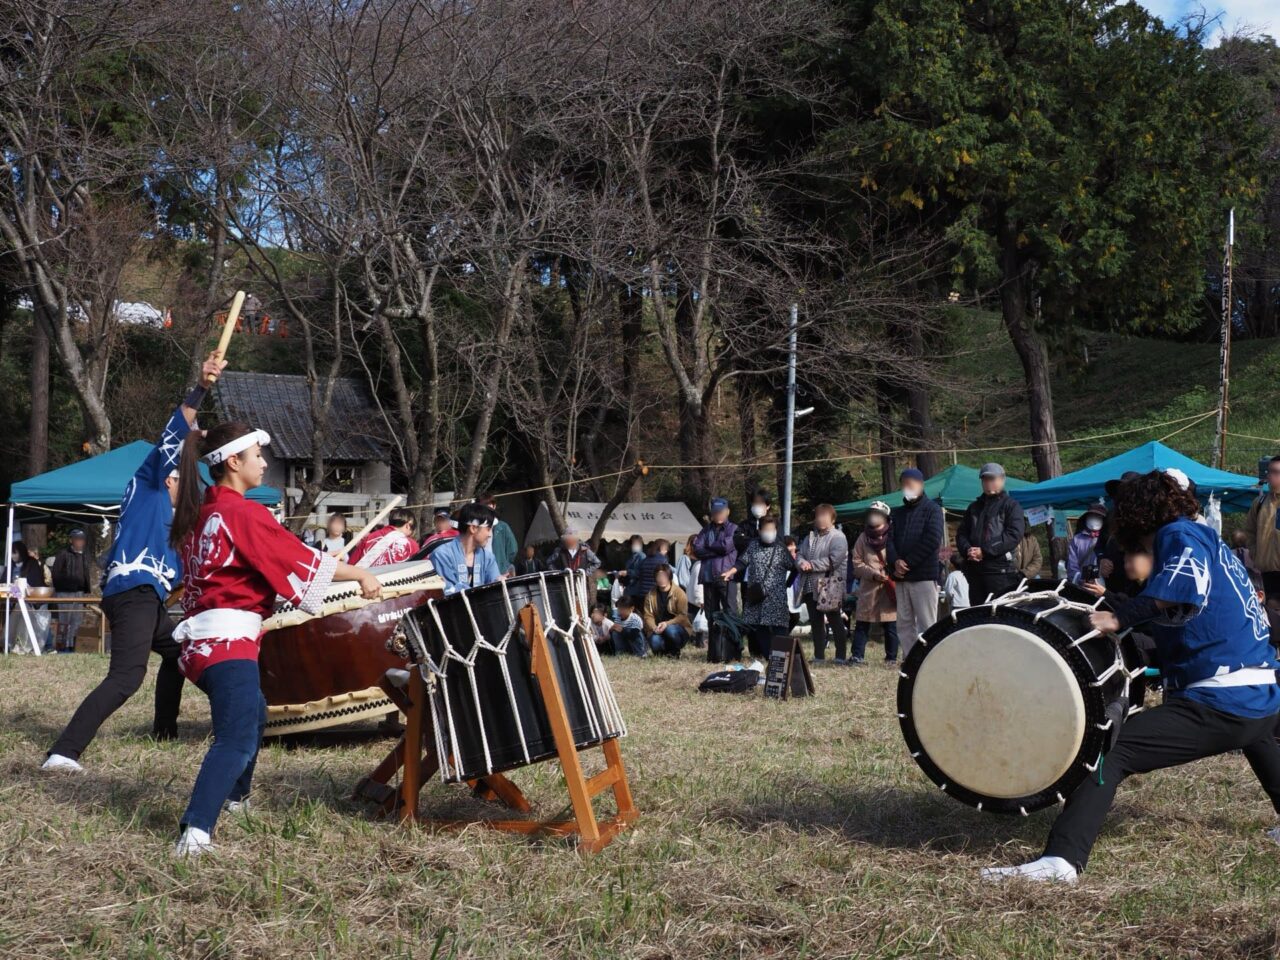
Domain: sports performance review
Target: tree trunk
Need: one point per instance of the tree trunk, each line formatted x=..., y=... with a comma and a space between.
x=1014, y=297
x=747, y=432
x=884, y=414
x=489, y=399
x=922, y=432
x=38, y=442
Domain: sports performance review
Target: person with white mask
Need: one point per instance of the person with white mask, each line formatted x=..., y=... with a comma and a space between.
x=916, y=533
x=761, y=506
x=765, y=565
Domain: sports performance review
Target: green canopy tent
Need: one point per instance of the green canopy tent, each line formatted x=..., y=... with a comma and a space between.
x=85, y=492
x=955, y=488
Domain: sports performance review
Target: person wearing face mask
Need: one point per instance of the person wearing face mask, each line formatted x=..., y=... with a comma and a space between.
x=877, y=595
x=917, y=531
x=714, y=547
x=749, y=529
x=824, y=555
x=1086, y=549
x=765, y=566
x=988, y=538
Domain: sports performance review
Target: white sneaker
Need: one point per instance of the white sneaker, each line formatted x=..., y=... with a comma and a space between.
x=1050, y=869
x=192, y=844
x=57, y=761
x=237, y=806
x=1274, y=834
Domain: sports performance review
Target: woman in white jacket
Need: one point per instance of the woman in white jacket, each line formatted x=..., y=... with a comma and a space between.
x=687, y=569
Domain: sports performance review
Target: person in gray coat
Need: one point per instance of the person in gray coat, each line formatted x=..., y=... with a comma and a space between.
x=823, y=558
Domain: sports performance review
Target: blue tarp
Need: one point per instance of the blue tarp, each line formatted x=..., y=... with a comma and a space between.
x=1075, y=491
x=97, y=484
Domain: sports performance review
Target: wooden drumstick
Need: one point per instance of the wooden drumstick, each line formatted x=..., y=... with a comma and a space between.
x=229, y=327
x=369, y=527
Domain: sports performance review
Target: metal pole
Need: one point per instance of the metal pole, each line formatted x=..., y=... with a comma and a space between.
x=791, y=418
x=1224, y=373
x=8, y=575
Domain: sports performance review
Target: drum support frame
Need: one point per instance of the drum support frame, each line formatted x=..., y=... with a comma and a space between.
x=415, y=755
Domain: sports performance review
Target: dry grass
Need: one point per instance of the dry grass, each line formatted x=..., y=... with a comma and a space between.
x=768, y=830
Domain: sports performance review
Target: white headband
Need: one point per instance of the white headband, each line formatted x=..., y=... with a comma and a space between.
x=239, y=445
x=1178, y=477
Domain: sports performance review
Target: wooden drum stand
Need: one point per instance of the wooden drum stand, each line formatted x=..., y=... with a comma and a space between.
x=415, y=755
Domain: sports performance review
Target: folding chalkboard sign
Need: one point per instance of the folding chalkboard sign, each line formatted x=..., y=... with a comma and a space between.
x=787, y=674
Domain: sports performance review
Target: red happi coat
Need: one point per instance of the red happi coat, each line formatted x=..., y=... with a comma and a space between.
x=235, y=563
x=384, y=546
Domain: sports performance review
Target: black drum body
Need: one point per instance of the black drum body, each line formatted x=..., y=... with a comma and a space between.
x=1008, y=706
x=487, y=709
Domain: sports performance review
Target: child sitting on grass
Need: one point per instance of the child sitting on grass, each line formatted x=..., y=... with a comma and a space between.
x=602, y=629
x=628, y=632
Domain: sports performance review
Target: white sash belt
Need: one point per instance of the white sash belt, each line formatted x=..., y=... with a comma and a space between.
x=1244, y=677
x=219, y=624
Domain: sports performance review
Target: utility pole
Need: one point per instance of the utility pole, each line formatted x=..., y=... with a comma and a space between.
x=791, y=418
x=1224, y=373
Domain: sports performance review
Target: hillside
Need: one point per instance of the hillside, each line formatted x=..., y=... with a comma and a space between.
x=1115, y=384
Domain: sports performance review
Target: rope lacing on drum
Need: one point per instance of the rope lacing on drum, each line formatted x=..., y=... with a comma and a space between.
x=608, y=716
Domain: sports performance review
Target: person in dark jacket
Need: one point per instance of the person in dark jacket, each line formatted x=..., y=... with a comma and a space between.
x=71, y=573
x=655, y=559
x=25, y=566
x=988, y=538
x=632, y=575
x=528, y=562
x=714, y=547
x=749, y=529
x=917, y=530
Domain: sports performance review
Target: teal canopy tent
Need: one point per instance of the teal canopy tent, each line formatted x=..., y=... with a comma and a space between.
x=955, y=488
x=1075, y=491
x=92, y=488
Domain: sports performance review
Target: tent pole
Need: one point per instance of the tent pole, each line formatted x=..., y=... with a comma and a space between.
x=8, y=574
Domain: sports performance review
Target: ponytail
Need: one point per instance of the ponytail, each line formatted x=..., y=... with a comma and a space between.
x=186, y=512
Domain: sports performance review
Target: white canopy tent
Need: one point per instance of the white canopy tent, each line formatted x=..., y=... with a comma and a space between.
x=670, y=521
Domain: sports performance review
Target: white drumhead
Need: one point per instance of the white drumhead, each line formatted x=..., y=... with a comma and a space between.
x=998, y=710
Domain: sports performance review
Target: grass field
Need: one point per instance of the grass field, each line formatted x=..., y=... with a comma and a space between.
x=798, y=829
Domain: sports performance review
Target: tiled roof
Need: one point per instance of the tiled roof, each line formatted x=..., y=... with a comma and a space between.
x=281, y=405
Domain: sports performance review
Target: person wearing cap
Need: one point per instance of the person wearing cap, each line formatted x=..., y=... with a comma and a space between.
x=442, y=529
x=1085, y=552
x=572, y=554
x=1263, y=536
x=988, y=538
x=141, y=571
x=236, y=560
x=918, y=529
x=877, y=595
x=714, y=546
x=467, y=560
x=71, y=577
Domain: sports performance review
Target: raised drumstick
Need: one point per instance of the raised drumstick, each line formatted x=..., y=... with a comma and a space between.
x=229, y=327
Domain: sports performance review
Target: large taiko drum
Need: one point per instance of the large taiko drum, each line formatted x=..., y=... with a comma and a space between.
x=486, y=707
x=322, y=670
x=1008, y=705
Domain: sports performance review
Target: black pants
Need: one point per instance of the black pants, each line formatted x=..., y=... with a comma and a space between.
x=983, y=584
x=139, y=624
x=760, y=638
x=819, y=621
x=721, y=645
x=1176, y=732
